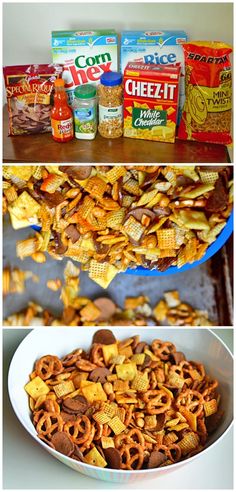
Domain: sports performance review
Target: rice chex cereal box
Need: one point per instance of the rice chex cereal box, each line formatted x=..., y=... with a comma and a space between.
x=151, y=101
x=155, y=47
x=85, y=55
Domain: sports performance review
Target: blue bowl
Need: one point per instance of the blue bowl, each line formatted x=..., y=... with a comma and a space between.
x=213, y=248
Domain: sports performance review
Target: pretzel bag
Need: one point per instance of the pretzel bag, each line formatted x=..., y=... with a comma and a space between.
x=206, y=115
x=28, y=90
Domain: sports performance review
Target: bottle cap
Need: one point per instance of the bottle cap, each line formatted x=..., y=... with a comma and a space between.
x=86, y=91
x=111, y=78
x=59, y=83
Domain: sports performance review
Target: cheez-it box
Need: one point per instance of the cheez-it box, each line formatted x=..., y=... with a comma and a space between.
x=151, y=95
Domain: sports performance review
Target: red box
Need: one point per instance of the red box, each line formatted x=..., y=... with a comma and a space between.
x=151, y=95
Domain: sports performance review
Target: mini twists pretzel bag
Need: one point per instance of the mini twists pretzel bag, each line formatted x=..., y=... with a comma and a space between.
x=206, y=115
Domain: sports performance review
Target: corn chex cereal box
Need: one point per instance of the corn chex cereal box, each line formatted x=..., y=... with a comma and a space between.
x=151, y=101
x=155, y=47
x=85, y=55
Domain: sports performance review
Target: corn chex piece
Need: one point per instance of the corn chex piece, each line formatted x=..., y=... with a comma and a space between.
x=190, y=418
x=101, y=417
x=133, y=228
x=93, y=392
x=170, y=438
x=166, y=238
x=210, y=407
x=209, y=177
x=94, y=458
x=189, y=442
x=109, y=352
x=175, y=380
x=27, y=247
x=64, y=388
x=126, y=372
x=132, y=187
x=140, y=382
x=36, y=387
x=95, y=187
x=138, y=359
x=107, y=442
x=86, y=207
x=115, y=218
x=108, y=409
x=102, y=273
x=115, y=173
x=116, y=425
x=120, y=385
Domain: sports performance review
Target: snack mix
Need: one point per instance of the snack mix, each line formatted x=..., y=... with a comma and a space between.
x=110, y=218
x=82, y=311
x=126, y=405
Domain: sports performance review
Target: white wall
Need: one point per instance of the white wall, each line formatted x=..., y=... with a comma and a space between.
x=27, y=26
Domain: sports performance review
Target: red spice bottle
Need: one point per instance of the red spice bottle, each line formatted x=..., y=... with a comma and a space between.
x=61, y=115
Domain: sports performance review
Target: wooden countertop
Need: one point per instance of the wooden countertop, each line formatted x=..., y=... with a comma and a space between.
x=41, y=148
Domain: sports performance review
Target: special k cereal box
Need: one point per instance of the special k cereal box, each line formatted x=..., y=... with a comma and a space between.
x=151, y=101
x=85, y=55
x=156, y=47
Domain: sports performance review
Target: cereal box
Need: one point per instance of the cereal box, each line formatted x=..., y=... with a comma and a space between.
x=155, y=47
x=85, y=55
x=151, y=101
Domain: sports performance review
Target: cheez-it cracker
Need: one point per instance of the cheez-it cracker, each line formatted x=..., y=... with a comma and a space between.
x=151, y=101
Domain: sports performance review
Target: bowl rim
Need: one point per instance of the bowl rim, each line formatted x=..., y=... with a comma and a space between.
x=109, y=470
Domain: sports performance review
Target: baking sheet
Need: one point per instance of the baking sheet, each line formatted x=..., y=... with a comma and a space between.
x=197, y=286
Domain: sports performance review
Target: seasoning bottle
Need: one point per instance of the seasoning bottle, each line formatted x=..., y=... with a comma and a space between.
x=110, y=92
x=61, y=115
x=85, y=112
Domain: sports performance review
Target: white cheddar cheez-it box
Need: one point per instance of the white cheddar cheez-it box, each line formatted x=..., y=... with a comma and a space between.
x=151, y=101
x=155, y=47
x=85, y=55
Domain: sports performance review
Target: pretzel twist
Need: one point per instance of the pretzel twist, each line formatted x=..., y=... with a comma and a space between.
x=192, y=400
x=49, y=423
x=158, y=401
x=48, y=366
x=132, y=456
x=79, y=430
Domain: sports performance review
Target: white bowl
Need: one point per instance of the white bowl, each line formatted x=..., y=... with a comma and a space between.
x=197, y=344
